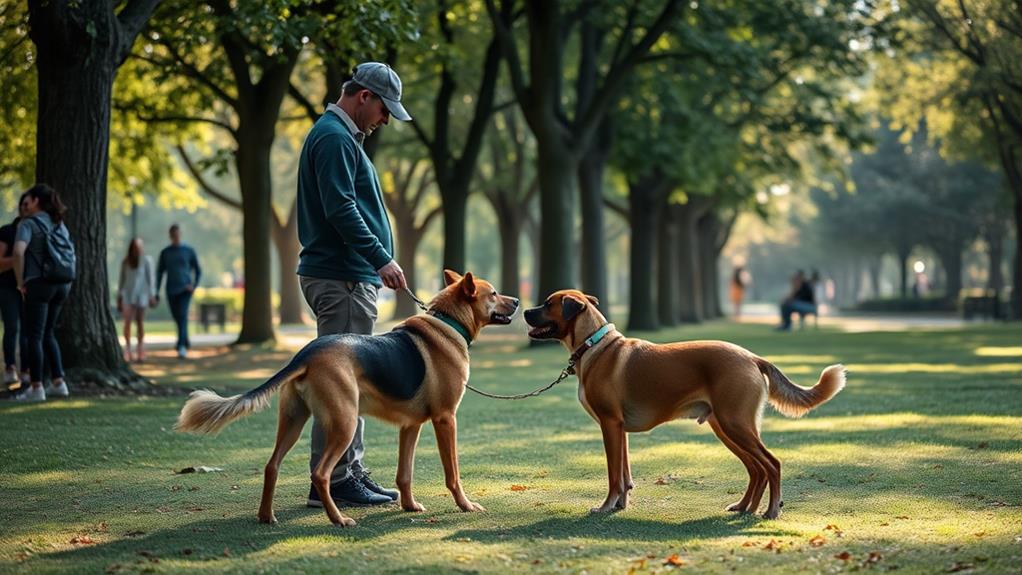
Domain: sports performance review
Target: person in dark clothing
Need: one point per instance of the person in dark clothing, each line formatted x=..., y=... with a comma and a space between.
x=800, y=300
x=347, y=244
x=179, y=262
x=12, y=310
x=44, y=297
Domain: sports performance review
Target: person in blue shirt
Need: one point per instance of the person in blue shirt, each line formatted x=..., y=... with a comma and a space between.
x=347, y=245
x=181, y=265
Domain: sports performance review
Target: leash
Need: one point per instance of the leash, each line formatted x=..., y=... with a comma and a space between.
x=567, y=371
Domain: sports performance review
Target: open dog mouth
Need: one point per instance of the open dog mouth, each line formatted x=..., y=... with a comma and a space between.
x=500, y=318
x=544, y=331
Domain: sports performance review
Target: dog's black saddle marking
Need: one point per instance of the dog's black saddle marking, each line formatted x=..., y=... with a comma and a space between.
x=391, y=362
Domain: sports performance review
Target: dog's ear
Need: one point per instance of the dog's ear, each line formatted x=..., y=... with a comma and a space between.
x=592, y=299
x=468, y=285
x=570, y=307
x=451, y=277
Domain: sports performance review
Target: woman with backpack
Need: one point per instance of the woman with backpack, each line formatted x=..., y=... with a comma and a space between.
x=136, y=292
x=43, y=268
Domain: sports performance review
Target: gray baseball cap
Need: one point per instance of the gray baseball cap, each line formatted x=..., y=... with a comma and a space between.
x=383, y=81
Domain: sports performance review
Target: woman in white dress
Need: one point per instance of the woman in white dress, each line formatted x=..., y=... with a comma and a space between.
x=136, y=293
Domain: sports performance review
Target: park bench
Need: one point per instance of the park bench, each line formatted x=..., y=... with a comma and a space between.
x=212, y=313
x=981, y=303
x=802, y=318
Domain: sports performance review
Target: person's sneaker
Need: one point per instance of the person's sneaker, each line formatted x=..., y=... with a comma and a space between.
x=348, y=493
x=182, y=352
x=373, y=486
x=57, y=390
x=31, y=394
x=11, y=376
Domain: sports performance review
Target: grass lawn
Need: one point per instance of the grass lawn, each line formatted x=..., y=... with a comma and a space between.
x=915, y=466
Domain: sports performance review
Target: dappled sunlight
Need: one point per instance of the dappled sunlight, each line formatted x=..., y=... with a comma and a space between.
x=990, y=351
x=1008, y=426
x=798, y=358
x=60, y=405
x=258, y=373
x=488, y=364
x=957, y=368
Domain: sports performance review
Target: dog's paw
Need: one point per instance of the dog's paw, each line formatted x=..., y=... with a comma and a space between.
x=413, y=507
x=772, y=514
x=470, y=506
x=269, y=520
x=344, y=522
x=738, y=507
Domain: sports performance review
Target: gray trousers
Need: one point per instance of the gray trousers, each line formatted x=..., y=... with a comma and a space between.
x=340, y=307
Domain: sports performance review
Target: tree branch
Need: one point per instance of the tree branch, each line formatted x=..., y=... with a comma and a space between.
x=196, y=74
x=302, y=101
x=502, y=24
x=131, y=20
x=201, y=180
x=188, y=119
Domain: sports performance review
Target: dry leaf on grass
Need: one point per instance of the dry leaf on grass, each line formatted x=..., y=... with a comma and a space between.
x=519, y=487
x=773, y=545
x=960, y=566
x=82, y=540
x=844, y=556
x=673, y=559
x=818, y=541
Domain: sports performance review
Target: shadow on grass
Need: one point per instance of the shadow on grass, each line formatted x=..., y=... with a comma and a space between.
x=614, y=526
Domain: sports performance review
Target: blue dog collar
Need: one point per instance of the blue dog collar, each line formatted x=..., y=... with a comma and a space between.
x=590, y=341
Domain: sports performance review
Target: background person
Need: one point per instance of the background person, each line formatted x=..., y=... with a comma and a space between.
x=800, y=300
x=179, y=262
x=347, y=244
x=44, y=297
x=136, y=292
x=11, y=308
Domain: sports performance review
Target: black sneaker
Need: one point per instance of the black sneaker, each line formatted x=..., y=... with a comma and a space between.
x=373, y=486
x=348, y=493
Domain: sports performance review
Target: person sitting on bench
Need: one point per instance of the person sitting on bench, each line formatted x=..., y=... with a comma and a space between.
x=801, y=300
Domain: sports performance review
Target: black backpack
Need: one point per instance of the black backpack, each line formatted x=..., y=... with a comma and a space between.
x=59, y=261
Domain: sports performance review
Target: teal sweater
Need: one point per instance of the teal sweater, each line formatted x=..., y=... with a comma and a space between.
x=342, y=222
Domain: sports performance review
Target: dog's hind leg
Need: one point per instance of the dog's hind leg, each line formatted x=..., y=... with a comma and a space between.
x=339, y=429
x=292, y=415
x=757, y=475
x=747, y=438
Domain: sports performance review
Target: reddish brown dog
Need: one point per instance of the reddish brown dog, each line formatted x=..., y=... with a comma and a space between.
x=628, y=384
x=336, y=378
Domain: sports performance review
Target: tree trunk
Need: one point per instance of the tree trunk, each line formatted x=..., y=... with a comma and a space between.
x=690, y=286
x=707, y=230
x=903, y=271
x=510, y=226
x=79, y=49
x=874, y=276
x=285, y=239
x=995, y=245
x=557, y=170
x=253, y=162
x=644, y=201
x=407, y=243
x=667, y=256
x=594, y=248
x=951, y=260
x=455, y=198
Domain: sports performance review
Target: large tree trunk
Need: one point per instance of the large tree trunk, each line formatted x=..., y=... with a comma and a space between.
x=253, y=162
x=510, y=226
x=455, y=198
x=903, y=272
x=875, y=268
x=594, y=248
x=285, y=239
x=667, y=254
x=994, y=237
x=951, y=259
x=407, y=243
x=557, y=169
x=690, y=281
x=79, y=48
x=707, y=230
x=644, y=199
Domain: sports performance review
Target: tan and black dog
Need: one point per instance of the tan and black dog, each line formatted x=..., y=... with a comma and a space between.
x=410, y=375
x=629, y=384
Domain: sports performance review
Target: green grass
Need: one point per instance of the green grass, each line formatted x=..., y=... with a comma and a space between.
x=918, y=461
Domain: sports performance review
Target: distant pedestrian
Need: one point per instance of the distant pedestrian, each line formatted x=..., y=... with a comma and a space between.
x=12, y=309
x=44, y=264
x=136, y=292
x=181, y=265
x=739, y=283
x=801, y=300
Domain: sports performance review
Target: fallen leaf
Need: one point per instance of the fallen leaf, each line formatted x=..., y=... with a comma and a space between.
x=227, y=551
x=773, y=545
x=831, y=527
x=673, y=559
x=818, y=541
x=980, y=534
x=198, y=469
x=884, y=524
x=902, y=517
x=235, y=487
x=874, y=557
x=959, y=566
x=518, y=487
x=102, y=527
x=844, y=556
x=749, y=544
x=82, y=540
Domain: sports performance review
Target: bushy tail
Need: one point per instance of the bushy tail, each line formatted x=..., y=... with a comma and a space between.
x=795, y=401
x=207, y=412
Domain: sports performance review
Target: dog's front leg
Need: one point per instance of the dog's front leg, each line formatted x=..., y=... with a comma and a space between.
x=613, y=444
x=409, y=437
x=446, y=428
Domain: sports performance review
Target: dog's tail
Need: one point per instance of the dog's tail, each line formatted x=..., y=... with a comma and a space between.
x=795, y=401
x=207, y=412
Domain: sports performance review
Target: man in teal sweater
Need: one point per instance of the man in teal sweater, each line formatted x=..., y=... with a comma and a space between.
x=347, y=245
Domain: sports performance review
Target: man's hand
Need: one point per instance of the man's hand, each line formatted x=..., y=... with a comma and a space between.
x=392, y=275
